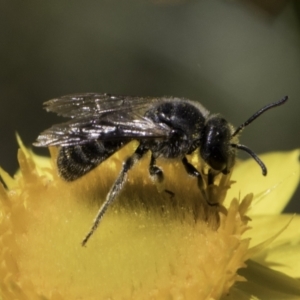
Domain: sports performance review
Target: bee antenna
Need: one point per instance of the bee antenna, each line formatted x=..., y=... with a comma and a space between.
x=258, y=113
x=253, y=155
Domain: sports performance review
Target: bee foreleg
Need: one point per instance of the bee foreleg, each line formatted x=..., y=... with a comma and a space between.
x=116, y=188
x=210, y=177
x=192, y=171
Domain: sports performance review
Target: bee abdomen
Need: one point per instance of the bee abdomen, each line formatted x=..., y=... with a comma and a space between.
x=77, y=160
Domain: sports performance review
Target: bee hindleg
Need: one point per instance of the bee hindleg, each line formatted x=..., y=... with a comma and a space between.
x=155, y=171
x=116, y=188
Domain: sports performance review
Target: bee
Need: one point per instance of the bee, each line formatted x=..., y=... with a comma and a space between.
x=168, y=127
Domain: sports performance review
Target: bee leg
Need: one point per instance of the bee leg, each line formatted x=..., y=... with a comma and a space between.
x=116, y=188
x=210, y=177
x=158, y=176
x=192, y=171
x=155, y=171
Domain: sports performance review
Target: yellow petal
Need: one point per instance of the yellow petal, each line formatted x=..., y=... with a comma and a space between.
x=284, y=253
x=8, y=180
x=271, y=192
x=265, y=284
x=43, y=165
x=147, y=247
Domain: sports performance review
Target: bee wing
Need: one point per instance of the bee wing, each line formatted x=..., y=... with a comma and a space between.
x=94, y=105
x=101, y=117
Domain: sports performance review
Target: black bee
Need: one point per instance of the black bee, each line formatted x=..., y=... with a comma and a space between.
x=167, y=127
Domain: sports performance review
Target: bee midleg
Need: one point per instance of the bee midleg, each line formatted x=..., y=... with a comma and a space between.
x=116, y=188
x=155, y=171
x=157, y=174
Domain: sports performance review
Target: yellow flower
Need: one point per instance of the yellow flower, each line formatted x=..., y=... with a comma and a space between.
x=150, y=244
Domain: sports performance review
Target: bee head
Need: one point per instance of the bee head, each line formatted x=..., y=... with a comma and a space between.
x=215, y=147
x=219, y=142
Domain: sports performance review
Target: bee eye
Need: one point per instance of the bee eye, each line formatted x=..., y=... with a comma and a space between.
x=215, y=144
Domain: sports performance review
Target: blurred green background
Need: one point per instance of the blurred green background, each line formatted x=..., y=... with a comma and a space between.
x=232, y=56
